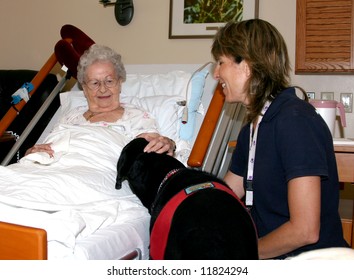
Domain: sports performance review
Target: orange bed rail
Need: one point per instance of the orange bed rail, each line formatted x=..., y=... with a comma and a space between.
x=207, y=128
x=36, y=81
x=19, y=242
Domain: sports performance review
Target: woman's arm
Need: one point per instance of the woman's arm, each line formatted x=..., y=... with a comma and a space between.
x=41, y=148
x=235, y=182
x=303, y=228
x=158, y=144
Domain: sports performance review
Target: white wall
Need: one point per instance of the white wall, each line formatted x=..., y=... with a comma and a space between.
x=30, y=29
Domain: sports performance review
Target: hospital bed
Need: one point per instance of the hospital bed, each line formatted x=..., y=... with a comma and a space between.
x=189, y=108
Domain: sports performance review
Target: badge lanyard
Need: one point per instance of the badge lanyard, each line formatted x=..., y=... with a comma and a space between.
x=252, y=155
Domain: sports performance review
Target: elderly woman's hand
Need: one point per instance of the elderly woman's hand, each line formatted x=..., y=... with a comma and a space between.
x=40, y=148
x=159, y=144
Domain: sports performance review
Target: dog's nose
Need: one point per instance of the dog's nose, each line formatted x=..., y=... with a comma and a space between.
x=118, y=184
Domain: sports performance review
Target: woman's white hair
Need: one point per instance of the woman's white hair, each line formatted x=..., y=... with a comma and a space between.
x=100, y=53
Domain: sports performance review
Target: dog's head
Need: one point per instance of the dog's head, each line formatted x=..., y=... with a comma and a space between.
x=127, y=157
x=143, y=171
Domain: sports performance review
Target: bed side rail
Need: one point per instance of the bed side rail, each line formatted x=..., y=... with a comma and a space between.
x=211, y=151
x=19, y=242
x=206, y=130
x=133, y=255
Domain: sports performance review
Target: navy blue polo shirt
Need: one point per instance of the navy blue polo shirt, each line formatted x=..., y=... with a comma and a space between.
x=293, y=141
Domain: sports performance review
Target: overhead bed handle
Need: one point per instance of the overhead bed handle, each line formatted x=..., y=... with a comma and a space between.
x=67, y=52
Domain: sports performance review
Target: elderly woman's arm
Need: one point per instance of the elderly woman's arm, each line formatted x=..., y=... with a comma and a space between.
x=159, y=144
x=41, y=148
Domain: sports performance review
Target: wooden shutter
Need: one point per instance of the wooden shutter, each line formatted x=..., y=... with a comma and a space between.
x=324, y=36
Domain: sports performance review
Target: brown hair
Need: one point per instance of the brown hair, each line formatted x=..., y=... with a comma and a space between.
x=262, y=46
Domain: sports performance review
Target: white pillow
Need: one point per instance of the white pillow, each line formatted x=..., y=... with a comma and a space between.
x=155, y=93
x=165, y=110
x=70, y=100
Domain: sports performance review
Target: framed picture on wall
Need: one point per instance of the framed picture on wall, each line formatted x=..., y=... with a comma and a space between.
x=202, y=18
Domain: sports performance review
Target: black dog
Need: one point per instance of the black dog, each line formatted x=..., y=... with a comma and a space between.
x=194, y=215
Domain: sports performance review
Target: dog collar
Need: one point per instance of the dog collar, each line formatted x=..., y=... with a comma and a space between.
x=168, y=175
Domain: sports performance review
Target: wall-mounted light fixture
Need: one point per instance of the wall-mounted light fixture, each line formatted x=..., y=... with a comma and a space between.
x=123, y=10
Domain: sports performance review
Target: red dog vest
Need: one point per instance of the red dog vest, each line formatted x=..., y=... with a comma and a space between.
x=161, y=228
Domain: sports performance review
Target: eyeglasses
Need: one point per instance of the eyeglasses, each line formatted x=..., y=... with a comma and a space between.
x=96, y=84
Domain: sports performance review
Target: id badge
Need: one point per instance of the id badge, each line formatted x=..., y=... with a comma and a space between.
x=249, y=198
x=249, y=193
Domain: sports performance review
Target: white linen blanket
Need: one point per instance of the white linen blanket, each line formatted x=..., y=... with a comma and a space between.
x=72, y=194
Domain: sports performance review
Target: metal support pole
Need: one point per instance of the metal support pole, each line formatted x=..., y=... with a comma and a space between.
x=35, y=119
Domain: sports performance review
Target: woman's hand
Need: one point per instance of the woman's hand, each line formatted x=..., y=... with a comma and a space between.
x=41, y=148
x=158, y=144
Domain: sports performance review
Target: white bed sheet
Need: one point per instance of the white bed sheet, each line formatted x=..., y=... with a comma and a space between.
x=107, y=243
x=73, y=197
x=115, y=241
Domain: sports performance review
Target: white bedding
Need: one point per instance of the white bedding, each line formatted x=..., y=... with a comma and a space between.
x=72, y=197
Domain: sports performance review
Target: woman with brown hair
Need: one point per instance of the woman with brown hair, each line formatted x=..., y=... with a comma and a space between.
x=284, y=164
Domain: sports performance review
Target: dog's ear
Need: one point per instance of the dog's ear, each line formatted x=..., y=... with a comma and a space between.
x=127, y=157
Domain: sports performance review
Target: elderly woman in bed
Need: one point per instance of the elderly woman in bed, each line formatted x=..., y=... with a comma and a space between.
x=101, y=74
